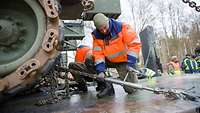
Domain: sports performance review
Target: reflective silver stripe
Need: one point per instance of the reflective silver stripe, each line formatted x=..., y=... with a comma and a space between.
x=116, y=54
x=99, y=61
x=149, y=72
x=131, y=53
x=97, y=48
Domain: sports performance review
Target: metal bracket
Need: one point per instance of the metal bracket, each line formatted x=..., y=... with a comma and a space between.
x=50, y=39
x=28, y=67
x=49, y=7
x=3, y=85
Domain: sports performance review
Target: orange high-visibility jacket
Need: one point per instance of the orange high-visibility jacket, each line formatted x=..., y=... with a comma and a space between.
x=176, y=68
x=175, y=65
x=81, y=53
x=122, y=45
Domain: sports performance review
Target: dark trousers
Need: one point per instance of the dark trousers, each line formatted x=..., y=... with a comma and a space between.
x=122, y=71
x=120, y=67
x=82, y=68
x=81, y=79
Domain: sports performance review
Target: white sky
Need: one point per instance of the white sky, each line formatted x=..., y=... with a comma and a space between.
x=125, y=12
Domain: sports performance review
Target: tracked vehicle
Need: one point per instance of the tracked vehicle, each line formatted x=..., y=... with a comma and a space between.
x=32, y=34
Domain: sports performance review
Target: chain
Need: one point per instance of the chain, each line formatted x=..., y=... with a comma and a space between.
x=87, y=4
x=49, y=83
x=192, y=4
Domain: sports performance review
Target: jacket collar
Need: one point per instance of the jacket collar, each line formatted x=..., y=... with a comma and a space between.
x=114, y=28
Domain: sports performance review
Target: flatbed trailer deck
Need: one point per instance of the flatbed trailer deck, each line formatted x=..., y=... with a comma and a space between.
x=141, y=102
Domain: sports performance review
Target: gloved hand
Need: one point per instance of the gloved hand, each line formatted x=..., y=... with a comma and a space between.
x=89, y=62
x=101, y=76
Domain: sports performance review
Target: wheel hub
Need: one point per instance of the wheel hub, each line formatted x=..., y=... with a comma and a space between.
x=22, y=28
x=10, y=32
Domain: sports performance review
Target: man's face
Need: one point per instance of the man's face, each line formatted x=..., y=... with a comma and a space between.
x=104, y=29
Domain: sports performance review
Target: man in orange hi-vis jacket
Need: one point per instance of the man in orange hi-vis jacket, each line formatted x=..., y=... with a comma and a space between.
x=83, y=63
x=115, y=44
x=82, y=52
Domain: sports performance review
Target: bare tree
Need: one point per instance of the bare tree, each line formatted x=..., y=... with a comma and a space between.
x=142, y=13
x=177, y=27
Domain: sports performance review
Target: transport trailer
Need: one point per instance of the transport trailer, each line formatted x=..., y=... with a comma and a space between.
x=141, y=102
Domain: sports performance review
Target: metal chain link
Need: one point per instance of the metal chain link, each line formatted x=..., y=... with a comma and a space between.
x=192, y=4
x=87, y=4
x=49, y=83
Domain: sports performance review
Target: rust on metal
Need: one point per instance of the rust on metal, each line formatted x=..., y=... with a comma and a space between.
x=13, y=80
x=87, y=4
x=49, y=7
x=3, y=85
x=27, y=68
x=50, y=39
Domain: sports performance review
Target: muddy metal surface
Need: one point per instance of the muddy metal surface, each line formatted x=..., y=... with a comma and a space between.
x=141, y=102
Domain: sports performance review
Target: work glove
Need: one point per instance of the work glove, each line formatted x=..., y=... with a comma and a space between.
x=141, y=73
x=101, y=76
x=89, y=62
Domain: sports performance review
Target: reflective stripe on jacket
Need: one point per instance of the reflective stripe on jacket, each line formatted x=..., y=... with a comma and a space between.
x=121, y=45
x=187, y=65
x=198, y=62
x=194, y=66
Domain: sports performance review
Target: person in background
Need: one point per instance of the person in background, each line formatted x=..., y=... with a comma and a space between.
x=186, y=64
x=173, y=66
x=115, y=45
x=197, y=53
x=194, y=64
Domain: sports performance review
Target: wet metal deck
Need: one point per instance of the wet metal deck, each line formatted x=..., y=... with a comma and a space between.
x=142, y=102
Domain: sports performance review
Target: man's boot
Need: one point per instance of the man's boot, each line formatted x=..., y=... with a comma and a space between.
x=82, y=87
x=107, y=91
x=100, y=86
